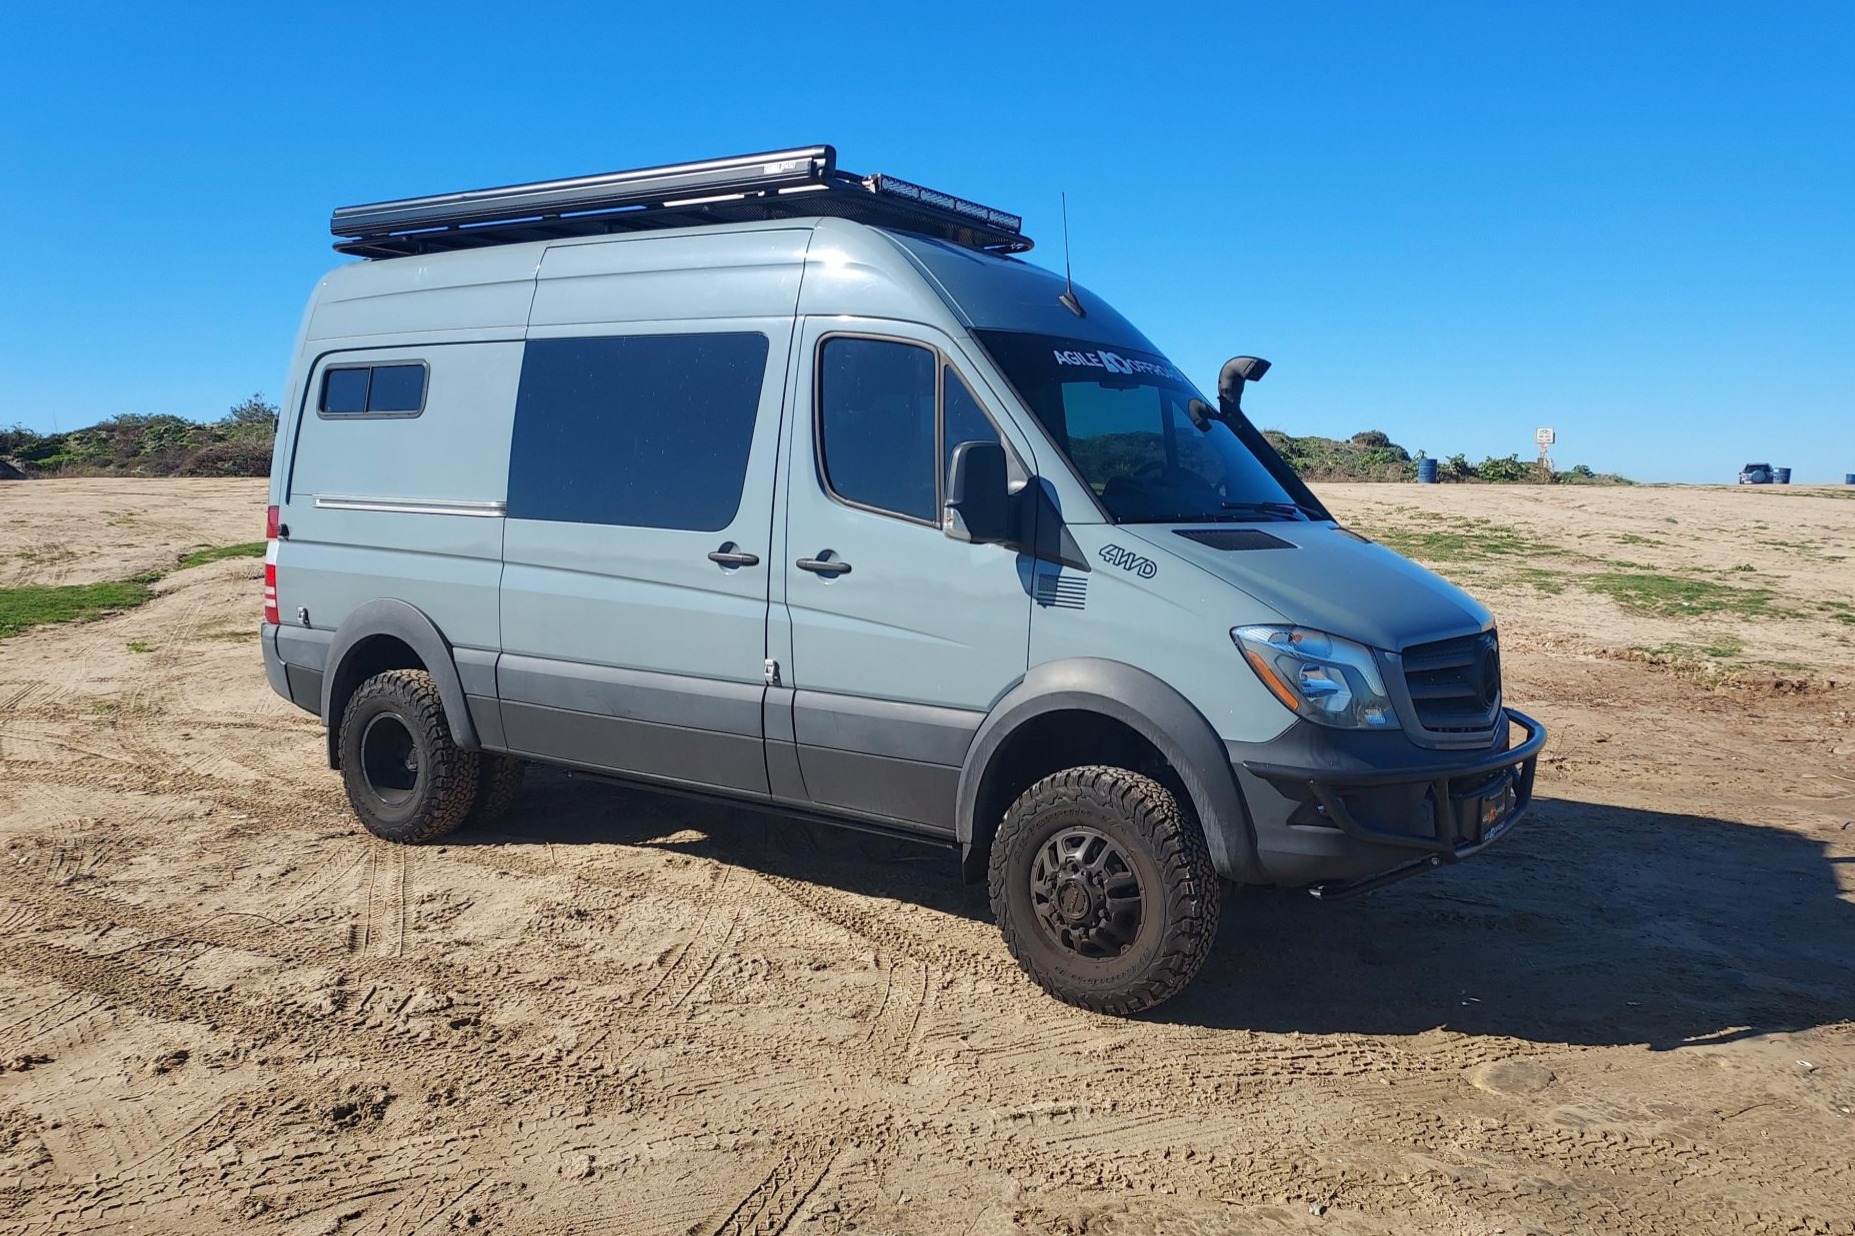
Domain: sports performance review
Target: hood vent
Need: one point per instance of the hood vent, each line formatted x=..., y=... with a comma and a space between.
x=1233, y=538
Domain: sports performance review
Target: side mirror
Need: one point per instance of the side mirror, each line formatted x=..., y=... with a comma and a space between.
x=978, y=495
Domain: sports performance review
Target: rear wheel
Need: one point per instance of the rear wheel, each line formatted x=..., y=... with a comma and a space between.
x=499, y=784
x=1104, y=889
x=406, y=777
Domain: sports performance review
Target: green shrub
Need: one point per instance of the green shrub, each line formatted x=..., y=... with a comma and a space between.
x=238, y=444
x=245, y=455
x=1506, y=468
x=1367, y=456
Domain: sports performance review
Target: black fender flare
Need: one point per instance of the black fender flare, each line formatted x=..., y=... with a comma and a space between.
x=410, y=625
x=1145, y=704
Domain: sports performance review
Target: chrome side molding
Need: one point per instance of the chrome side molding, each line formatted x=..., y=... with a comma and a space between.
x=413, y=506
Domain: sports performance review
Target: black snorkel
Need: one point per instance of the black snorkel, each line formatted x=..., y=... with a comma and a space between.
x=1230, y=381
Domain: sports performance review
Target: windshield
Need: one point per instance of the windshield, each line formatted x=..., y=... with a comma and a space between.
x=1137, y=433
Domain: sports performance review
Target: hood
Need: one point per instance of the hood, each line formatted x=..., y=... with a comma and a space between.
x=1323, y=577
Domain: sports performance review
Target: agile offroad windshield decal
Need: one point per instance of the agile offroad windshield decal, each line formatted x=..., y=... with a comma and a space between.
x=1128, y=560
x=1113, y=362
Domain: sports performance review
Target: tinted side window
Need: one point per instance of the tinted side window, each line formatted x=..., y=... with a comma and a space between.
x=876, y=425
x=344, y=391
x=396, y=388
x=373, y=390
x=964, y=420
x=650, y=431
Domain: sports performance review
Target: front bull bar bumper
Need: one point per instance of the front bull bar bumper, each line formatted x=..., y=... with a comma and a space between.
x=1459, y=798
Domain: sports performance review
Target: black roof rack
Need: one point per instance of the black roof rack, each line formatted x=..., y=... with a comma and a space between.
x=780, y=184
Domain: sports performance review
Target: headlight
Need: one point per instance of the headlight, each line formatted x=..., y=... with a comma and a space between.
x=1318, y=676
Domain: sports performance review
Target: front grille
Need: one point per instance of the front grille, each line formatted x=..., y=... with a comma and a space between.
x=1455, y=684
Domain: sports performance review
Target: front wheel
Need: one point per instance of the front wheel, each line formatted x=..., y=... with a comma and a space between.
x=1104, y=889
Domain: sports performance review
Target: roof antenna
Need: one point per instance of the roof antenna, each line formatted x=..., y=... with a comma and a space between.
x=1069, y=288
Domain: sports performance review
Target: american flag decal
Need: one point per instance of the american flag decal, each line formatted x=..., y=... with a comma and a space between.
x=1062, y=591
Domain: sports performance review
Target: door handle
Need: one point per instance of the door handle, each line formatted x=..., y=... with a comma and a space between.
x=827, y=564
x=729, y=556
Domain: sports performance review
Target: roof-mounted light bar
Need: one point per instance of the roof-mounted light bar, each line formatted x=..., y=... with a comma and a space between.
x=781, y=184
x=944, y=201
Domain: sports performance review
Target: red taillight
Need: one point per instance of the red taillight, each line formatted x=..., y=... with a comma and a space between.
x=270, y=568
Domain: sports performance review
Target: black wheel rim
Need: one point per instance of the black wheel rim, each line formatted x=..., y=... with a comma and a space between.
x=389, y=760
x=1086, y=894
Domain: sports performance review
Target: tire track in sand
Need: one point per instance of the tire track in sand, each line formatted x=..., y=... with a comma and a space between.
x=699, y=954
x=380, y=930
x=772, y=1204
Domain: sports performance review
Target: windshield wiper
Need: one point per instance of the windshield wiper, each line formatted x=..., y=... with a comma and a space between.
x=1282, y=510
x=1232, y=512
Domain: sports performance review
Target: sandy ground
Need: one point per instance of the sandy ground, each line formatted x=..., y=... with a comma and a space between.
x=1796, y=543
x=86, y=531
x=225, y=1008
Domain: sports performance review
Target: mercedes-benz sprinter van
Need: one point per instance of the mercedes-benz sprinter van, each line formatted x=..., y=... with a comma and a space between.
x=756, y=479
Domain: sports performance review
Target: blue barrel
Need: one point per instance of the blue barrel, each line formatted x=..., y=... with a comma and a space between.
x=1848, y=478
x=1781, y=476
x=1426, y=472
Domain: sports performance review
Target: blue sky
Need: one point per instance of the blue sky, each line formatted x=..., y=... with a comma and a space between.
x=1450, y=221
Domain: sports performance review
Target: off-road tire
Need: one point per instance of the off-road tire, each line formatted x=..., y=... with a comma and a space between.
x=427, y=792
x=499, y=784
x=1180, y=895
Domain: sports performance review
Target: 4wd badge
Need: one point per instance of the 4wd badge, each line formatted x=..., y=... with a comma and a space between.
x=1128, y=560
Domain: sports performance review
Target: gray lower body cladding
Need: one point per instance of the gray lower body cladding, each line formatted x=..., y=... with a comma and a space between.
x=293, y=664
x=1329, y=808
x=1332, y=808
x=868, y=759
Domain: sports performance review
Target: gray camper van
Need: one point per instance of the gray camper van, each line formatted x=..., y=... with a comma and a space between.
x=757, y=479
